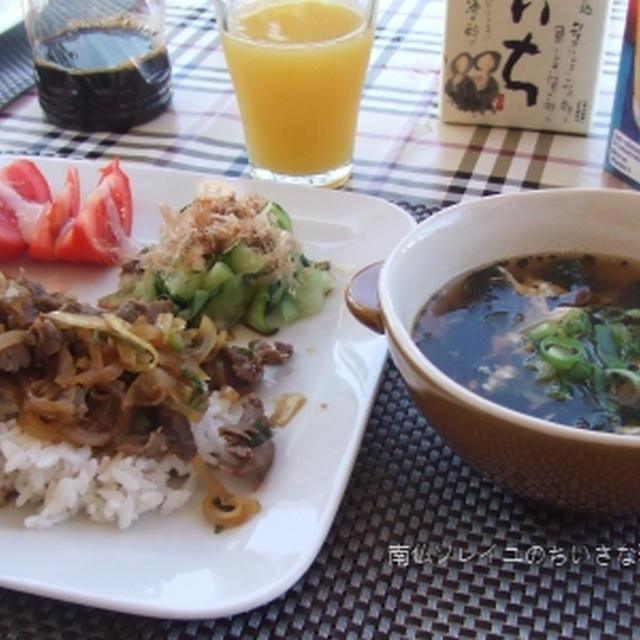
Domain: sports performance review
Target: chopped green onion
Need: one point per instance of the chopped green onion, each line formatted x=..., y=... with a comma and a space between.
x=260, y=433
x=622, y=338
x=562, y=353
x=623, y=386
x=581, y=371
x=575, y=323
x=544, y=371
x=175, y=339
x=140, y=423
x=542, y=330
x=633, y=314
x=606, y=347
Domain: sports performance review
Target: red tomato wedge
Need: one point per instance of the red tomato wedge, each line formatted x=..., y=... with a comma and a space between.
x=53, y=218
x=24, y=177
x=118, y=184
x=97, y=233
x=11, y=243
x=61, y=229
x=24, y=191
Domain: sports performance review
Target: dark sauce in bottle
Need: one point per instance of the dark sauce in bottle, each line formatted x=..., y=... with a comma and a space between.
x=102, y=77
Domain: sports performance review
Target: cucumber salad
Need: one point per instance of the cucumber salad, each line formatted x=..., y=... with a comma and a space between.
x=234, y=259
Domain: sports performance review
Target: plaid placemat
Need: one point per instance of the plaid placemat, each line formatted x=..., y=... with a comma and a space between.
x=16, y=67
x=402, y=150
x=422, y=547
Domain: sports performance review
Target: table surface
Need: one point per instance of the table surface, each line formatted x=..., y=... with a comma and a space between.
x=422, y=545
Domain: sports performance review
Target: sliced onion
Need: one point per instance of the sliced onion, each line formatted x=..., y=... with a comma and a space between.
x=238, y=509
x=149, y=389
x=66, y=368
x=35, y=426
x=11, y=338
x=208, y=339
x=221, y=508
x=286, y=406
x=122, y=330
x=69, y=320
x=94, y=376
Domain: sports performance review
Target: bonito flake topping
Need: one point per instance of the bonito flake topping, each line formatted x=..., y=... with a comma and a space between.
x=213, y=223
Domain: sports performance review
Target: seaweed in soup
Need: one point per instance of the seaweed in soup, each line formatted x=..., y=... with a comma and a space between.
x=555, y=336
x=568, y=273
x=483, y=285
x=630, y=296
x=484, y=299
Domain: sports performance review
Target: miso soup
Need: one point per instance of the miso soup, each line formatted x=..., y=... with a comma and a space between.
x=555, y=336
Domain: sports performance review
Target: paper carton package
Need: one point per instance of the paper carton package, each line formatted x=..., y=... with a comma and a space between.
x=623, y=150
x=530, y=64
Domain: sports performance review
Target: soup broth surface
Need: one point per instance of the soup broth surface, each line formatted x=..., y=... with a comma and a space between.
x=555, y=336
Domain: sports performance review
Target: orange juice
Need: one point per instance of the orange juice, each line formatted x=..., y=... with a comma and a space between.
x=298, y=68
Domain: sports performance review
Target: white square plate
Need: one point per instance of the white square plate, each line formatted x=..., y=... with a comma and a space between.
x=175, y=566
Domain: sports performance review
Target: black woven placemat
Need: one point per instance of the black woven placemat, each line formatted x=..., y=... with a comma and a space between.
x=422, y=546
x=16, y=67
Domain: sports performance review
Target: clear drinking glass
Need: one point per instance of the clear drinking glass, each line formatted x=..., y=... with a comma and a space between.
x=99, y=64
x=298, y=68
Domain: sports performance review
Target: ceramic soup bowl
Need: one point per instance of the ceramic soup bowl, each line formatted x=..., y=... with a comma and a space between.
x=562, y=466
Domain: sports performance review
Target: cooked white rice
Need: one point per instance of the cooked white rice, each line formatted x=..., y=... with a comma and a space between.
x=61, y=481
